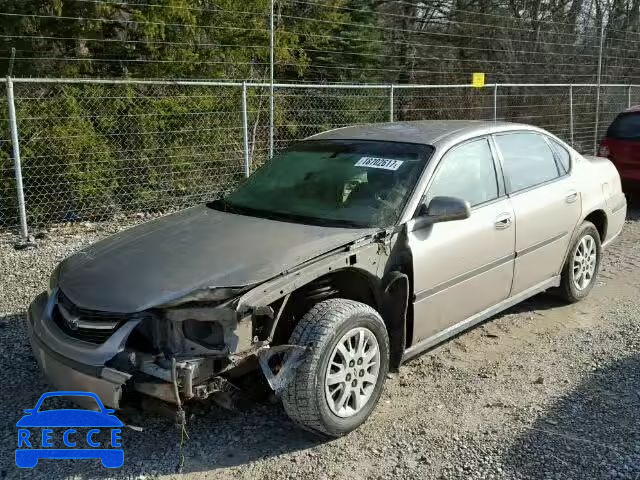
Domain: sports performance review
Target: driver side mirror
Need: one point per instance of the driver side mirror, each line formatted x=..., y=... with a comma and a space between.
x=445, y=209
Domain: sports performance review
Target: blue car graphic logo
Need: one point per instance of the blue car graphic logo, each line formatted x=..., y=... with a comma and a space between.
x=32, y=447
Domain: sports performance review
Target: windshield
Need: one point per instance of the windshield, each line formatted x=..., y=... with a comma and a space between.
x=351, y=183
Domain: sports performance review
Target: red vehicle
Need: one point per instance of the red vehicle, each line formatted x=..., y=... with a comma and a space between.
x=621, y=145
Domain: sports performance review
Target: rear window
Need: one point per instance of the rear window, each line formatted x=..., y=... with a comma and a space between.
x=626, y=127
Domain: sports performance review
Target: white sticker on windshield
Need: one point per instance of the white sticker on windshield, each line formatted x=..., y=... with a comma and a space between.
x=378, y=162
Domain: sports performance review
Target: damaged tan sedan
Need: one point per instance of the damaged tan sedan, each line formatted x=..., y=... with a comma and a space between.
x=342, y=257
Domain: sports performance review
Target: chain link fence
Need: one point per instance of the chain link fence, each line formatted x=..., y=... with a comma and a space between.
x=95, y=150
x=443, y=103
x=92, y=151
x=305, y=111
x=549, y=108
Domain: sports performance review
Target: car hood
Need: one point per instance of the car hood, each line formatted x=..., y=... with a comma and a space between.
x=165, y=259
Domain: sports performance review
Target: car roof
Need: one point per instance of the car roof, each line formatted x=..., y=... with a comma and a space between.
x=428, y=132
x=635, y=108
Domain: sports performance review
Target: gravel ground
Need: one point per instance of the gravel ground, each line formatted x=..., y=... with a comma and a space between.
x=542, y=391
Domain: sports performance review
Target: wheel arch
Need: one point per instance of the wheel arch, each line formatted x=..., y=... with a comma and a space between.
x=389, y=296
x=567, y=288
x=351, y=283
x=599, y=219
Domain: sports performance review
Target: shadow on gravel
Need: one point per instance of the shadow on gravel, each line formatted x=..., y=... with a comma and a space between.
x=542, y=301
x=216, y=438
x=595, y=429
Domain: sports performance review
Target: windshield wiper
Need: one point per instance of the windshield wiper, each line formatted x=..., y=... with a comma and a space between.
x=225, y=206
x=343, y=223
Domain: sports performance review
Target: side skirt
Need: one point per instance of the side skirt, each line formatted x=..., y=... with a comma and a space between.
x=453, y=330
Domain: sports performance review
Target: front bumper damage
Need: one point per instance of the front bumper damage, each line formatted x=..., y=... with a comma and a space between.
x=196, y=345
x=175, y=369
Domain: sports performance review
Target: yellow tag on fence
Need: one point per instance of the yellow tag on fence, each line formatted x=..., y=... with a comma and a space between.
x=477, y=79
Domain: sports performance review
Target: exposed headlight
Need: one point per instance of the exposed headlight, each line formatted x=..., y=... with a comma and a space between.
x=53, y=279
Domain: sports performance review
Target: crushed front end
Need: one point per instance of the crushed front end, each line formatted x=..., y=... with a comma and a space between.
x=174, y=353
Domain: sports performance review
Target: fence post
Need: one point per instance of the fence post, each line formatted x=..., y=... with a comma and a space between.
x=271, y=100
x=245, y=130
x=391, y=106
x=495, y=102
x=571, y=113
x=595, y=130
x=13, y=126
x=629, y=97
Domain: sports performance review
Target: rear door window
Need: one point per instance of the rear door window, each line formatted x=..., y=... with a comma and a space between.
x=564, y=157
x=626, y=126
x=527, y=159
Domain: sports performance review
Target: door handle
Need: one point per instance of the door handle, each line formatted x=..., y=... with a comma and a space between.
x=571, y=197
x=503, y=221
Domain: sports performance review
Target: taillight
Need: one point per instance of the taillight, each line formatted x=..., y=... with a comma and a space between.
x=604, y=150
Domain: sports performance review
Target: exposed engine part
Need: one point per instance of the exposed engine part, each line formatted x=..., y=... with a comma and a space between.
x=208, y=331
x=174, y=382
x=217, y=384
x=187, y=383
x=182, y=376
x=153, y=369
x=160, y=390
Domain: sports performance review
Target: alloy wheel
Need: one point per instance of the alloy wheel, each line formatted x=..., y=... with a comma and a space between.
x=352, y=372
x=584, y=262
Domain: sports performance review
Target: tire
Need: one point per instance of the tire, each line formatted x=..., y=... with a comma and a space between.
x=569, y=290
x=306, y=398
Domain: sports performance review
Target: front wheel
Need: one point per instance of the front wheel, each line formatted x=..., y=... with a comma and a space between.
x=340, y=381
x=581, y=268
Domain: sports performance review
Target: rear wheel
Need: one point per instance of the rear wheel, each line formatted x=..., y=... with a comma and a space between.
x=339, y=383
x=581, y=268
